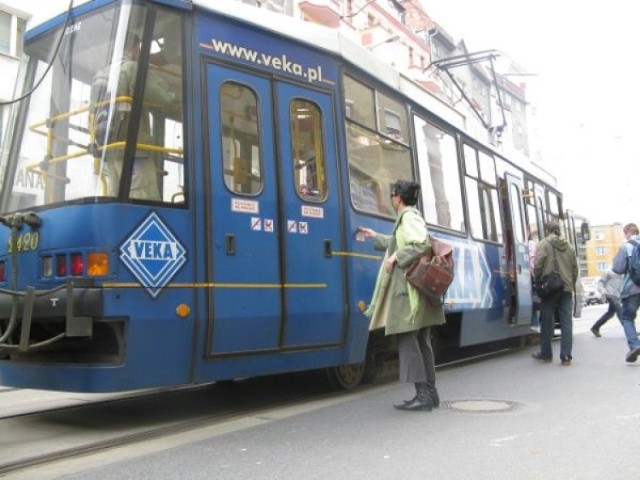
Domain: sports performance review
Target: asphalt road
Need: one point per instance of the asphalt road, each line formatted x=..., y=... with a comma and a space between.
x=507, y=417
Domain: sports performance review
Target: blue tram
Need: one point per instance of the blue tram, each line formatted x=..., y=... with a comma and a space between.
x=182, y=189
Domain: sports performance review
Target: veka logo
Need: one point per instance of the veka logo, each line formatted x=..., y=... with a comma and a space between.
x=153, y=254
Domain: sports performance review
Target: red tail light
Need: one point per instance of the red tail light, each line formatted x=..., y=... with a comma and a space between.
x=61, y=265
x=77, y=264
x=3, y=270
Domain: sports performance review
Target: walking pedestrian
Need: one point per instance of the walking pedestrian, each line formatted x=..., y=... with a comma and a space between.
x=397, y=306
x=609, y=285
x=554, y=253
x=629, y=291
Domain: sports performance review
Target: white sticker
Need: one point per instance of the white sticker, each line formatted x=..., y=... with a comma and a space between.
x=292, y=226
x=256, y=224
x=268, y=225
x=303, y=227
x=312, y=212
x=244, y=206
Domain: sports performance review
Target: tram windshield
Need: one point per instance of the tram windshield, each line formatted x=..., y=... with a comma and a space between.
x=106, y=120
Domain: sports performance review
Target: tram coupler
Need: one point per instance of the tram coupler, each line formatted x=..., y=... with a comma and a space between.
x=21, y=308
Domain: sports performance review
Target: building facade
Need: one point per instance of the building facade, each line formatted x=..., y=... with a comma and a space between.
x=13, y=22
x=603, y=246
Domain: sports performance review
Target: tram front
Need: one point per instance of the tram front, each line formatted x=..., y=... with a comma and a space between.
x=95, y=148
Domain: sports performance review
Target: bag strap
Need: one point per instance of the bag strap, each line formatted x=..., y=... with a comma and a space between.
x=555, y=258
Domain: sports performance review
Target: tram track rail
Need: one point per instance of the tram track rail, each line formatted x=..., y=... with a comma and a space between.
x=127, y=420
x=89, y=435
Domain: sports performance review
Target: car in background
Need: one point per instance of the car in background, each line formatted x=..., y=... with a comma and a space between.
x=592, y=295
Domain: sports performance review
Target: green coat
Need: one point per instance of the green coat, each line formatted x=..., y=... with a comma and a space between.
x=566, y=256
x=396, y=305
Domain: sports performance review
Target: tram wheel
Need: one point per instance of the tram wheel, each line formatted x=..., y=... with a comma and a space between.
x=345, y=377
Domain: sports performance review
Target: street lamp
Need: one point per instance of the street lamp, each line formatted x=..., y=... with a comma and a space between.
x=392, y=38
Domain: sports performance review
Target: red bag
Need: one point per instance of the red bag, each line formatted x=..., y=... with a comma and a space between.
x=432, y=274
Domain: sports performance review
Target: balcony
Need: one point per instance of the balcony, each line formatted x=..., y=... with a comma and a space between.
x=323, y=12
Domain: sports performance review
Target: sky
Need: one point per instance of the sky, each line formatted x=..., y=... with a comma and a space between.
x=585, y=89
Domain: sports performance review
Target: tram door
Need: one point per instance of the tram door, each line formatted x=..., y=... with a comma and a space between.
x=314, y=299
x=273, y=217
x=517, y=253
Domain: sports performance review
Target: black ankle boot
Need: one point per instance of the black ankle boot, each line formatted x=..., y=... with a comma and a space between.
x=422, y=400
x=433, y=393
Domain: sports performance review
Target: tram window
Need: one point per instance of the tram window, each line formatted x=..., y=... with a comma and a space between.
x=374, y=164
x=554, y=204
x=376, y=156
x=392, y=117
x=471, y=161
x=475, y=212
x=487, y=168
x=360, y=103
x=241, y=153
x=482, y=196
x=516, y=214
x=534, y=228
x=308, y=150
x=167, y=120
x=439, y=176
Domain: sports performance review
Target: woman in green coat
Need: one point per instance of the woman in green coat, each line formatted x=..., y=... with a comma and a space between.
x=397, y=307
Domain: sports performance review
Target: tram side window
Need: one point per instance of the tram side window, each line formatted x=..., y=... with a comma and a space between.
x=439, y=176
x=360, y=103
x=241, y=154
x=516, y=214
x=308, y=150
x=392, y=118
x=377, y=158
x=555, y=208
x=482, y=195
x=533, y=205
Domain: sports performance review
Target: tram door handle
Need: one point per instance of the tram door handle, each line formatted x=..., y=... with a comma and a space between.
x=328, y=251
x=230, y=244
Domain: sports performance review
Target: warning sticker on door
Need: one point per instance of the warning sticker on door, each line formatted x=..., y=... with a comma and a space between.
x=312, y=212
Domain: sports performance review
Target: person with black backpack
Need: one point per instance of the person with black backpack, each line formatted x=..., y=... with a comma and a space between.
x=555, y=260
x=627, y=263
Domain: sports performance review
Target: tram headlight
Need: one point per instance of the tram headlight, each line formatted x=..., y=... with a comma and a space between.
x=97, y=264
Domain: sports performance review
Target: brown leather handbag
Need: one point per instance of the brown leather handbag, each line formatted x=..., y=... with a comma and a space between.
x=432, y=274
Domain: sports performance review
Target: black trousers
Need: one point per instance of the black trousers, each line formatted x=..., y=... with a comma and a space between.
x=415, y=356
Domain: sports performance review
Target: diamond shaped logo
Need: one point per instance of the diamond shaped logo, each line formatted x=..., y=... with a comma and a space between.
x=153, y=254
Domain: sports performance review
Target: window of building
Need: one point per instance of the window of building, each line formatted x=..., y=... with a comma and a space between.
x=600, y=251
x=12, y=30
x=5, y=33
x=439, y=176
x=602, y=266
x=598, y=235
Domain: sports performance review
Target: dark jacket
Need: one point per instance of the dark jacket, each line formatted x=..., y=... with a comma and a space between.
x=566, y=255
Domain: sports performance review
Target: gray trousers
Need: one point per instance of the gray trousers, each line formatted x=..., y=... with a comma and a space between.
x=415, y=356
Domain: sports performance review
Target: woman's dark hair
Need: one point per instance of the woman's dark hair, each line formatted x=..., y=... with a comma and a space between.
x=407, y=191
